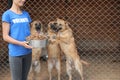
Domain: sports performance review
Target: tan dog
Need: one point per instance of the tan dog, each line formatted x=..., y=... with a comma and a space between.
x=67, y=45
x=53, y=51
x=36, y=34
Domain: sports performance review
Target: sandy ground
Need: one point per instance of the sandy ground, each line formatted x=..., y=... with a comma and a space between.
x=97, y=70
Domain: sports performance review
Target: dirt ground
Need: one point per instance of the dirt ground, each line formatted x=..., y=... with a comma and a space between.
x=99, y=69
x=43, y=73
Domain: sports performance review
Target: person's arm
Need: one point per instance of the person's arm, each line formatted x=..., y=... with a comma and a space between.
x=7, y=38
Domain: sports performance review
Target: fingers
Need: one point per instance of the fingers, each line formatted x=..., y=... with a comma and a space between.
x=26, y=45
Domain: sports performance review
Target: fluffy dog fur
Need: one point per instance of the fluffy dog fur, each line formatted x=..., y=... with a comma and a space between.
x=68, y=47
x=36, y=34
x=53, y=51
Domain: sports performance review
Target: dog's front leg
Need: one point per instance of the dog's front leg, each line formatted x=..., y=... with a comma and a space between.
x=64, y=37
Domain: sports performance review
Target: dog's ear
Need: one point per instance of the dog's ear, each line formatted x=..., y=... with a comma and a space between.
x=67, y=24
x=56, y=19
x=48, y=26
x=50, y=23
x=31, y=24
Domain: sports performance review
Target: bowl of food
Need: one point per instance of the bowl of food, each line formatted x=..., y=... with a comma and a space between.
x=38, y=43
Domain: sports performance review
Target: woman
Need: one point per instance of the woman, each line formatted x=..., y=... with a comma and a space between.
x=15, y=25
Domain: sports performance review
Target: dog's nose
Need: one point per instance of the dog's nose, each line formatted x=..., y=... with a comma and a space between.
x=38, y=26
x=52, y=26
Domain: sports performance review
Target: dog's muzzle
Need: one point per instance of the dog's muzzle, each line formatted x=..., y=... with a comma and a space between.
x=38, y=27
x=55, y=28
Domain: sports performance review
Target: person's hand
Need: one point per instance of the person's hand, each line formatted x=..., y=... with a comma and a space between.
x=25, y=44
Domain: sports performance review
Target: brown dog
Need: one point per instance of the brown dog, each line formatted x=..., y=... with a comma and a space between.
x=36, y=34
x=67, y=45
x=53, y=51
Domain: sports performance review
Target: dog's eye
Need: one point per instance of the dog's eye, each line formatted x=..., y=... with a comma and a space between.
x=35, y=24
x=60, y=24
x=55, y=23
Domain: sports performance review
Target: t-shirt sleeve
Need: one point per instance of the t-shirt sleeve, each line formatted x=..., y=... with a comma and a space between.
x=5, y=17
x=29, y=18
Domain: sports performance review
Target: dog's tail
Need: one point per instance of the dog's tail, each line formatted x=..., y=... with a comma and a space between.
x=85, y=62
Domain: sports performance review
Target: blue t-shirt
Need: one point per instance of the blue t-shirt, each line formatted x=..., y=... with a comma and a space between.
x=19, y=30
